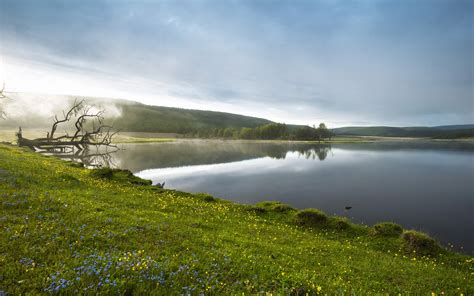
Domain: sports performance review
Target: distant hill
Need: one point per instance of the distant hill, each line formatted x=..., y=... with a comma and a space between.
x=22, y=110
x=136, y=117
x=447, y=131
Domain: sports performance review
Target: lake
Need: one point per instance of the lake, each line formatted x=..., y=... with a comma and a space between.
x=427, y=186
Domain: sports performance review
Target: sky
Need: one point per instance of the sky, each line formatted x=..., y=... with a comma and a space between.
x=378, y=62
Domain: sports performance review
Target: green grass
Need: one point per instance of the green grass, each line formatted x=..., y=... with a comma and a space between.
x=70, y=230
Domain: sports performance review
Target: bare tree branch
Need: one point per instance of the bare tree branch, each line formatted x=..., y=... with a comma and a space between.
x=77, y=107
x=2, y=96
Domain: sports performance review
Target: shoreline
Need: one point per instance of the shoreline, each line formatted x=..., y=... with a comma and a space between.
x=8, y=135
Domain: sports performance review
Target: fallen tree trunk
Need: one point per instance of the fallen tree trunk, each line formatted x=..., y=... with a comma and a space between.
x=95, y=134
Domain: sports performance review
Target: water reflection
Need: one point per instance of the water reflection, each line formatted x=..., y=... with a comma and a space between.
x=88, y=158
x=138, y=157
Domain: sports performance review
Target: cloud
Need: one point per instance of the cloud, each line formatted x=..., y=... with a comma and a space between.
x=402, y=62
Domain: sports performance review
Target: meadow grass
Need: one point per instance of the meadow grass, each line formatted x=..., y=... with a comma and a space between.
x=66, y=229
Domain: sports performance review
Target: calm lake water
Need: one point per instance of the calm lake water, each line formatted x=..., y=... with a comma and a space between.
x=428, y=186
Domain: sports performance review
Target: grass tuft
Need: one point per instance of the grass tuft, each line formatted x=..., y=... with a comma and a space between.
x=206, y=197
x=339, y=223
x=123, y=176
x=311, y=217
x=257, y=210
x=275, y=206
x=387, y=229
x=420, y=243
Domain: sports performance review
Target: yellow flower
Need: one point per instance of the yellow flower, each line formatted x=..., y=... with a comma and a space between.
x=319, y=288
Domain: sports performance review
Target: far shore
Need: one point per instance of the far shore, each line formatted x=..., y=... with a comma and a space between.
x=8, y=135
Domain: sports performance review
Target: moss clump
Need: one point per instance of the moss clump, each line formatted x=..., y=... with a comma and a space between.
x=387, y=229
x=311, y=217
x=419, y=243
x=339, y=223
x=275, y=206
x=124, y=176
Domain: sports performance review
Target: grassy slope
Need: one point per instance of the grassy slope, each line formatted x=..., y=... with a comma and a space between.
x=63, y=229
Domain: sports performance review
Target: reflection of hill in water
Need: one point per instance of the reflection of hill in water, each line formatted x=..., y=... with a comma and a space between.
x=137, y=157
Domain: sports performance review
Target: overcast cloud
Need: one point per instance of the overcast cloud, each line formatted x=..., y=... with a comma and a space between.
x=342, y=62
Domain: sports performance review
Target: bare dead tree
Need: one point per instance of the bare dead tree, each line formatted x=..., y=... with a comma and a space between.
x=88, y=127
x=73, y=111
x=2, y=96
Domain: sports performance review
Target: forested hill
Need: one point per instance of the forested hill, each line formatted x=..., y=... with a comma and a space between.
x=448, y=131
x=138, y=117
x=21, y=110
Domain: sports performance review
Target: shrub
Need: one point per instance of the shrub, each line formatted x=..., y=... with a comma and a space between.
x=387, y=229
x=311, y=217
x=339, y=223
x=420, y=243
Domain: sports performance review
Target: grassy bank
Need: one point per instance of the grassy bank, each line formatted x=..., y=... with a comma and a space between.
x=68, y=229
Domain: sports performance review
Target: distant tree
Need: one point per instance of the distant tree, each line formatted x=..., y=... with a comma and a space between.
x=236, y=134
x=228, y=133
x=247, y=133
x=306, y=133
x=323, y=131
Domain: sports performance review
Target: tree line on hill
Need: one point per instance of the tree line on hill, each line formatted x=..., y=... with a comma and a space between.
x=272, y=131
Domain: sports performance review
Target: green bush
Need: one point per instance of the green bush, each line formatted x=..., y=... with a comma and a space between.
x=387, y=229
x=311, y=217
x=420, y=243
